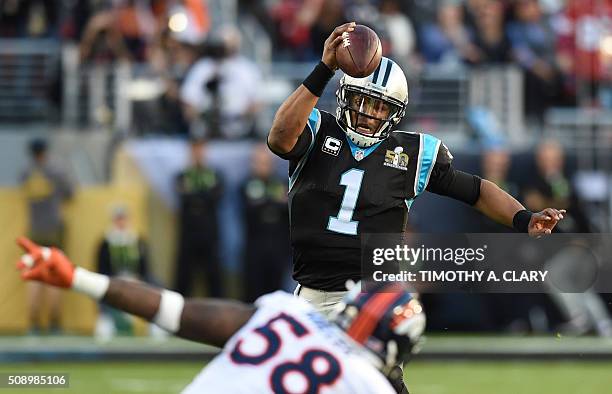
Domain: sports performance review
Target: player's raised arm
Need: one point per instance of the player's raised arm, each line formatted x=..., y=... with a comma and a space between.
x=210, y=321
x=290, y=119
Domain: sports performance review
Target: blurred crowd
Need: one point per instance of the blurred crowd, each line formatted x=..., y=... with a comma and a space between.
x=564, y=47
x=192, y=72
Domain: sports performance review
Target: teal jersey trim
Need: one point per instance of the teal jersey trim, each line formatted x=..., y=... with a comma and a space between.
x=366, y=151
x=429, y=151
x=314, y=123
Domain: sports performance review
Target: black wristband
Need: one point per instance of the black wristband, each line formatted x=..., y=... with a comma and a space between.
x=318, y=79
x=521, y=220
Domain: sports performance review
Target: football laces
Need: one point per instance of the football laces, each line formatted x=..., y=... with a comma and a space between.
x=346, y=41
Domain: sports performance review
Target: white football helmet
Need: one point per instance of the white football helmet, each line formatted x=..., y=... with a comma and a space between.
x=368, y=108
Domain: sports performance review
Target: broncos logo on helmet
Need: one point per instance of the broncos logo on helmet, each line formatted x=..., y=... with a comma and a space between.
x=385, y=319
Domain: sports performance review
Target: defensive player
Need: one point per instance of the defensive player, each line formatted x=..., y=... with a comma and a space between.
x=281, y=344
x=352, y=174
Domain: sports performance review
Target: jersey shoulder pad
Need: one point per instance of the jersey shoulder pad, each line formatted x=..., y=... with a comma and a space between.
x=405, y=133
x=326, y=115
x=444, y=155
x=328, y=120
x=400, y=136
x=320, y=120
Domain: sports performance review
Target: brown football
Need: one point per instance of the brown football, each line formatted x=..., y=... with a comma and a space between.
x=360, y=52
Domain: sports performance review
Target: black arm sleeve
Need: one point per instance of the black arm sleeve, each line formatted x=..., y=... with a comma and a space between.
x=447, y=181
x=300, y=148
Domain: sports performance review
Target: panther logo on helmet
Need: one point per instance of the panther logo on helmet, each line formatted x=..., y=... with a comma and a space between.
x=368, y=108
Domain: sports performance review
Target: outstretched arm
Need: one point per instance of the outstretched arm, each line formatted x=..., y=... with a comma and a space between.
x=505, y=209
x=291, y=117
x=495, y=203
x=210, y=321
x=489, y=198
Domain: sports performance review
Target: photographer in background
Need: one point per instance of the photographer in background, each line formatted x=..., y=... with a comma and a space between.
x=220, y=93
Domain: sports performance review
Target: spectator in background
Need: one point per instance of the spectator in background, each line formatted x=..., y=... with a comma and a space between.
x=258, y=10
x=199, y=189
x=292, y=23
x=585, y=51
x=221, y=91
x=584, y=311
x=495, y=166
x=489, y=33
x=399, y=29
x=28, y=18
x=74, y=17
x=45, y=188
x=122, y=32
x=173, y=55
x=533, y=47
x=551, y=185
x=422, y=12
x=122, y=253
x=447, y=42
x=323, y=16
x=472, y=11
x=302, y=26
x=267, y=253
x=365, y=12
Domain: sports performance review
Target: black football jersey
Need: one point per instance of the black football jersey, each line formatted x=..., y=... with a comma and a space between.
x=338, y=191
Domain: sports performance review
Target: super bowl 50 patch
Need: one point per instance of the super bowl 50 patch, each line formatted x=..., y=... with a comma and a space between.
x=396, y=159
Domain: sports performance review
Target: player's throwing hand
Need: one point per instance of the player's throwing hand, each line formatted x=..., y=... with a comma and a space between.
x=543, y=222
x=47, y=265
x=332, y=42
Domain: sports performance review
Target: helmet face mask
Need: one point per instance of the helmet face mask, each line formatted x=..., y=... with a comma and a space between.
x=368, y=108
x=368, y=114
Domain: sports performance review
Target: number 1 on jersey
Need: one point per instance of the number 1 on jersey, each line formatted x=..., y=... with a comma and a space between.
x=344, y=223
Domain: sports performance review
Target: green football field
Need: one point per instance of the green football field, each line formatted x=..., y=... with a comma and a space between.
x=424, y=377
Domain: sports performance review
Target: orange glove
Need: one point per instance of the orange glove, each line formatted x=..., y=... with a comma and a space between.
x=47, y=265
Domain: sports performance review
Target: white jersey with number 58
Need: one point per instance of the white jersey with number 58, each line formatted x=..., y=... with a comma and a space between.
x=288, y=347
